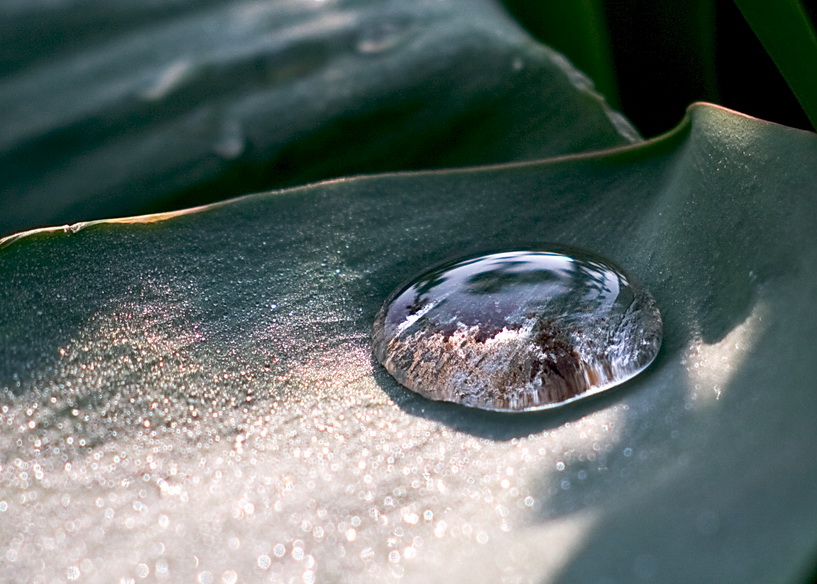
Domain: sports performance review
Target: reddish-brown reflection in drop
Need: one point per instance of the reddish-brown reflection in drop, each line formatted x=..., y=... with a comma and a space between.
x=518, y=330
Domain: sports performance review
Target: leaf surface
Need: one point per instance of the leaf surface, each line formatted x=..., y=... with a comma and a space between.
x=172, y=104
x=194, y=394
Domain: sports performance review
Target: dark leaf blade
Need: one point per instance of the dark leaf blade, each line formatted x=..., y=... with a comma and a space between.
x=788, y=36
x=197, y=102
x=215, y=367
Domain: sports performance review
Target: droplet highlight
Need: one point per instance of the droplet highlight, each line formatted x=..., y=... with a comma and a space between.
x=518, y=330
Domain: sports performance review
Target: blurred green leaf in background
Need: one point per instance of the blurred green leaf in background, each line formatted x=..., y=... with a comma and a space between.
x=195, y=101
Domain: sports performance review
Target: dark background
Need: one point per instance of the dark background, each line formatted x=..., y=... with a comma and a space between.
x=667, y=55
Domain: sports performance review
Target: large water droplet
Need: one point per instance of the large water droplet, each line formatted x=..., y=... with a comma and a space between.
x=518, y=330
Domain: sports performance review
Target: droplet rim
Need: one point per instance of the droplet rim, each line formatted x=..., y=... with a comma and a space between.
x=566, y=250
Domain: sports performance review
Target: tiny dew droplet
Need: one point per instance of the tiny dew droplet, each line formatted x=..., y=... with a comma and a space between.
x=378, y=35
x=518, y=330
x=230, y=142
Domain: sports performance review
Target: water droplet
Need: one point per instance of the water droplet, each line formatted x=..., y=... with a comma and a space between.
x=168, y=80
x=518, y=330
x=230, y=141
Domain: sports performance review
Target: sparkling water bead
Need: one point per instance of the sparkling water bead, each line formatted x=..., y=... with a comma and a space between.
x=518, y=330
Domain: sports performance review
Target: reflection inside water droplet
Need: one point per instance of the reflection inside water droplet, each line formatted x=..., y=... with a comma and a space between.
x=518, y=330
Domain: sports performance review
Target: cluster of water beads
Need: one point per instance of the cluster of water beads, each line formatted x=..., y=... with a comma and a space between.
x=518, y=330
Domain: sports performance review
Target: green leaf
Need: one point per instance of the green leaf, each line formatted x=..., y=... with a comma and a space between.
x=577, y=29
x=786, y=32
x=194, y=393
x=173, y=104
